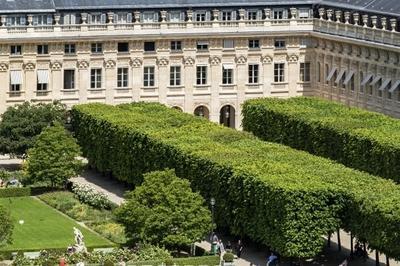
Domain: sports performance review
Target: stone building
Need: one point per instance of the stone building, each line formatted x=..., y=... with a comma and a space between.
x=205, y=57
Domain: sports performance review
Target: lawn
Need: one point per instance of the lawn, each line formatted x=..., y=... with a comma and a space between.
x=44, y=227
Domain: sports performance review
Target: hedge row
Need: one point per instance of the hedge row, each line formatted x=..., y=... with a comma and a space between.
x=357, y=138
x=15, y=192
x=284, y=198
x=192, y=261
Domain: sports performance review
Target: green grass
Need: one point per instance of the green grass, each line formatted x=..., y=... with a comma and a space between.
x=44, y=227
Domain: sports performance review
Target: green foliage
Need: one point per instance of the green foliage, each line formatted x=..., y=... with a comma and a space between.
x=357, y=138
x=150, y=252
x=6, y=227
x=21, y=124
x=194, y=261
x=110, y=230
x=228, y=257
x=53, y=158
x=284, y=198
x=21, y=260
x=164, y=210
x=15, y=192
x=6, y=175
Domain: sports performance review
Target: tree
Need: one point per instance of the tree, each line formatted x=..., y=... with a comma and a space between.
x=6, y=226
x=164, y=211
x=53, y=158
x=21, y=124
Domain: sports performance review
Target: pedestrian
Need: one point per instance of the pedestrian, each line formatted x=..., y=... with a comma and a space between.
x=239, y=248
x=221, y=248
x=272, y=260
x=229, y=246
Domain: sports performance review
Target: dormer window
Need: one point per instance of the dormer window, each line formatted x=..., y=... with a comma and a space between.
x=228, y=15
x=202, y=16
x=69, y=19
x=176, y=16
x=149, y=17
x=40, y=20
x=97, y=18
x=304, y=13
x=123, y=18
x=16, y=21
x=280, y=13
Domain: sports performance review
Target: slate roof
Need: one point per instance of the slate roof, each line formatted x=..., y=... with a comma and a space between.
x=388, y=7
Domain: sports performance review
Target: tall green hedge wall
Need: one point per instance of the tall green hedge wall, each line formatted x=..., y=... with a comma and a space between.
x=357, y=138
x=282, y=197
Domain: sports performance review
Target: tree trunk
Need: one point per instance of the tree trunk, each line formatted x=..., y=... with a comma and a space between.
x=329, y=240
x=351, y=245
x=387, y=261
x=338, y=240
x=376, y=257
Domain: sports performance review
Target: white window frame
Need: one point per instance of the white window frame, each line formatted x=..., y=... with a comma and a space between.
x=227, y=76
x=175, y=77
x=149, y=76
x=122, y=77
x=72, y=84
x=279, y=72
x=305, y=72
x=254, y=73
x=201, y=74
x=96, y=78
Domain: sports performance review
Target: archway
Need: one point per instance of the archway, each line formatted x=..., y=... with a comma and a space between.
x=227, y=116
x=177, y=108
x=202, y=111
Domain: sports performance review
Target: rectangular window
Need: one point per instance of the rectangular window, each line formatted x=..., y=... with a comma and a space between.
x=175, y=76
x=122, y=77
x=43, y=49
x=175, y=16
x=15, y=80
x=304, y=13
x=42, y=79
x=95, y=78
x=42, y=20
x=252, y=15
x=123, y=47
x=176, y=46
x=227, y=74
x=69, y=79
x=305, y=72
x=201, y=75
x=254, y=44
x=149, y=46
x=202, y=46
x=200, y=16
x=229, y=44
x=15, y=49
x=69, y=48
x=280, y=44
x=253, y=73
x=227, y=16
x=97, y=48
x=148, y=76
x=149, y=17
x=279, y=14
x=15, y=87
x=279, y=72
x=123, y=18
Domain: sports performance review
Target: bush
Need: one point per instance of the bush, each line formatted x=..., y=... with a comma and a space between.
x=194, y=261
x=15, y=192
x=110, y=230
x=62, y=200
x=86, y=194
x=360, y=139
x=284, y=198
x=228, y=257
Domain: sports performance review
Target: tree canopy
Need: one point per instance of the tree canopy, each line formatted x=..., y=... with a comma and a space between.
x=164, y=210
x=21, y=124
x=53, y=158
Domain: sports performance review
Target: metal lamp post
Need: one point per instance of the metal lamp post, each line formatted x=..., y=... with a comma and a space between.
x=213, y=245
x=212, y=202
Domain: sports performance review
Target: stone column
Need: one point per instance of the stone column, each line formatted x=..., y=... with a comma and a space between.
x=5, y=86
x=215, y=79
x=30, y=81
x=189, y=79
x=111, y=80
x=241, y=82
x=83, y=80
x=56, y=82
x=292, y=75
x=163, y=79
x=267, y=74
x=137, y=78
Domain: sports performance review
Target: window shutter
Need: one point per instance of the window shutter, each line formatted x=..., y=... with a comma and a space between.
x=246, y=15
x=183, y=17
x=23, y=20
x=155, y=17
x=142, y=17
x=234, y=16
x=208, y=15
x=49, y=20
x=285, y=14
x=72, y=19
x=129, y=18
x=103, y=18
x=90, y=18
x=35, y=20
x=8, y=21
x=259, y=14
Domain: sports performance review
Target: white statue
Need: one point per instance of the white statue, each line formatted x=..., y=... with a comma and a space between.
x=79, y=244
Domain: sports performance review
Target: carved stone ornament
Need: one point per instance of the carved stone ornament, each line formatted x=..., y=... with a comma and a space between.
x=136, y=62
x=3, y=66
x=188, y=61
x=215, y=60
x=29, y=66
x=162, y=62
x=83, y=64
x=266, y=59
x=293, y=58
x=56, y=65
x=241, y=60
x=109, y=63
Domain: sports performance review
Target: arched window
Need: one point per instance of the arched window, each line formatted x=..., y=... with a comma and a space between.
x=202, y=111
x=227, y=116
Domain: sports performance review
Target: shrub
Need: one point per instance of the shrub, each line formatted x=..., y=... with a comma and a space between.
x=360, y=139
x=15, y=192
x=62, y=200
x=110, y=230
x=150, y=252
x=284, y=198
x=228, y=257
x=87, y=194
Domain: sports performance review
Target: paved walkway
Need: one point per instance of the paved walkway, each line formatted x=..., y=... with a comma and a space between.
x=252, y=254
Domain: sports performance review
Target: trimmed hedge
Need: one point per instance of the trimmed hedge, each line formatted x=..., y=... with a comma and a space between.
x=284, y=198
x=360, y=139
x=193, y=261
x=15, y=192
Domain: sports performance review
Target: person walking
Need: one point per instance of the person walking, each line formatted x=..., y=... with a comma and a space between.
x=272, y=260
x=221, y=248
x=239, y=248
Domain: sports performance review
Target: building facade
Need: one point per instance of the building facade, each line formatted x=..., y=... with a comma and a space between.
x=203, y=58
